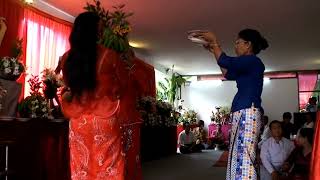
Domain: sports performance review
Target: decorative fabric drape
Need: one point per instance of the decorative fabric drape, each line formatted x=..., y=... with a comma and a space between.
x=46, y=40
x=307, y=82
x=315, y=161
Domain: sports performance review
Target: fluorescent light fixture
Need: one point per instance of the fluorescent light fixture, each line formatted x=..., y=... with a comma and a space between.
x=136, y=44
x=266, y=80
x=217, y=82
x=192, y=78
x=28, y=1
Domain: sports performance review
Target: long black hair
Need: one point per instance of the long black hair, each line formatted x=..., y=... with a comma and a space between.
x=80, y=67
x=258, y=42
x=307, y=133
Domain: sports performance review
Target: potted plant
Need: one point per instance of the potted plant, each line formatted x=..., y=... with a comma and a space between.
x=35, y=105
x=168, y=89
x=116, y=26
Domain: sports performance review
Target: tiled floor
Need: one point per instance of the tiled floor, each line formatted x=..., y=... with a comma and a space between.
x=197, y=166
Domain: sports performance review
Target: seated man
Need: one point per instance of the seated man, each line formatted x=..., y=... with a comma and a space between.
x=187, y=140
x=274, y=152
x=201, y=135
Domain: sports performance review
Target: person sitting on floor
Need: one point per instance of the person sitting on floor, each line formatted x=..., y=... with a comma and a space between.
x=274, y=151
x=217, y=142
x=298, y=163
x=201, y=135
x=187, y=140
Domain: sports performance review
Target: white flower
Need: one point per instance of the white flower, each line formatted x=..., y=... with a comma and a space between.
x=33, y=115
x=14, y=60
x=7, y=70
x=44, y=109
x=6, y=63
x=16, y=72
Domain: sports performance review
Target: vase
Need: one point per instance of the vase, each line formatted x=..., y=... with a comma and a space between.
x=49, y=92
x=9, y=77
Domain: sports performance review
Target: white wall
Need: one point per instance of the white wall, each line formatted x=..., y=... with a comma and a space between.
x=279, y=95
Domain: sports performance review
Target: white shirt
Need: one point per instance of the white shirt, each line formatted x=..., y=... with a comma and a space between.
x=186, y=139
x=274, y=154
x=265, y=135
x=311, y=108
x=310, y=125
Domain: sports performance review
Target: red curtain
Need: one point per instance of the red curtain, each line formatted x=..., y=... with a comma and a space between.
x=46, y=40
x=13, y=12
x=307, y=82
x=45, y=37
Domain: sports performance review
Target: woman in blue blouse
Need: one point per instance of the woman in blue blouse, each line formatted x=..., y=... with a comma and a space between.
x=247, y=70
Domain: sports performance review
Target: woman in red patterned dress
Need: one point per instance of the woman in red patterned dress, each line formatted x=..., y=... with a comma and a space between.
x=91, y=73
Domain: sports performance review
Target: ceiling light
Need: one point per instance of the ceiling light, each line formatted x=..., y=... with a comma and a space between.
x=28, y=1
x=266, y=79
x=135, y=44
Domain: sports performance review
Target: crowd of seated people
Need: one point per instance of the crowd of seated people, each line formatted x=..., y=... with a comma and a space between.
x=282, y=155
x=197, y=139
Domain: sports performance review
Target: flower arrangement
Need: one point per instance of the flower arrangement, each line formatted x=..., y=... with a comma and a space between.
x=156, y=113
x=221, y=116
x=189, y=116
x=51, y=82
x=10, y=67
x=35, y=105
x=165, y=110
x=116, y=26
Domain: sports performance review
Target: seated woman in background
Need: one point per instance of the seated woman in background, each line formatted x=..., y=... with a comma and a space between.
x=218, y=140
x=201, y=135
x=300, y=158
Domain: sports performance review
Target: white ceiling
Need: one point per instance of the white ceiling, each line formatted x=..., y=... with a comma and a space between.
x=291, y=26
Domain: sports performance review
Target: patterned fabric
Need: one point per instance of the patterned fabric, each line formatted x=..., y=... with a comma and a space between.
x=101, y=150
x=244, y=138
x=94, y=143
x=96, y=138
